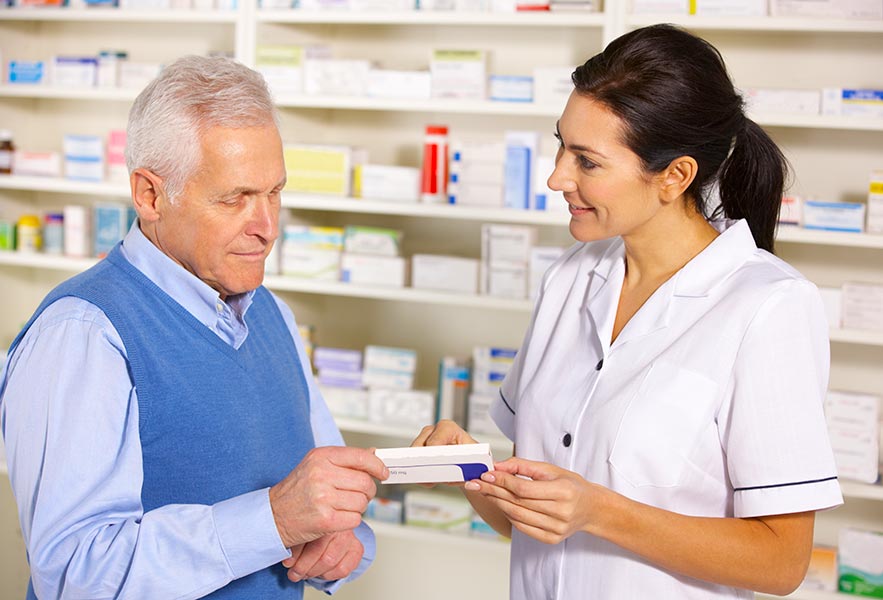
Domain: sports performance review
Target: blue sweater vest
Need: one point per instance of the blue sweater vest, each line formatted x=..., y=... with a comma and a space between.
x=215, y=422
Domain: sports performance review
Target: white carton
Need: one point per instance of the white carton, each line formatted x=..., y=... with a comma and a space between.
x=387, y=271
x=836, y=9
x=385, y=83
x=458, y=74
x=411, y=408
x=348, y=403
x=834, y=216
x=393, y=359
x=387, y=182
x=444, y=273
x=862, y=306
x=436, y=464
x=782, y=101
x=336, y=77
x=437, y=510
x=860, y=562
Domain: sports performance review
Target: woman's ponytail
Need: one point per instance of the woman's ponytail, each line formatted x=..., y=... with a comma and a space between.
x=752, y=181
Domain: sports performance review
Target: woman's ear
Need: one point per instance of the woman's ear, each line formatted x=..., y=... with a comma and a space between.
x=148, y=194
x=677, y=177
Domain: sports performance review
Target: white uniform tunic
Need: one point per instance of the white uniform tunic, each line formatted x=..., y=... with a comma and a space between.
x=709, y=403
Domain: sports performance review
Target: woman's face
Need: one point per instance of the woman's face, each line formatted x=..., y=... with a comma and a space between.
x=603, y=182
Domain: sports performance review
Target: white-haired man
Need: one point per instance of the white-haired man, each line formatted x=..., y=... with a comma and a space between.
x=164, y=432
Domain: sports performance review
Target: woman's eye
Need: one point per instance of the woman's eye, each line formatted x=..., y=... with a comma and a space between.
x=585, y=163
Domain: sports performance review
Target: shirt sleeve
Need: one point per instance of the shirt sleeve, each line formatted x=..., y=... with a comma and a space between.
x=326, y=433
x=70, y=418
x=772, y=424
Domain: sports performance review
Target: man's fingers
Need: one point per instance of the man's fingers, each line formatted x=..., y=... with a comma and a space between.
x=358, y=459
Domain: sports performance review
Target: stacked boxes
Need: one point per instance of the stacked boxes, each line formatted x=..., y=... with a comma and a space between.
x=372, y=256
x=860, y=562
x=458, y=74
x=505, y=256
x=386, y=182
x=862, y=306
x=520, y=170
x=434, y=510
x=541, y=258
x=489, y=368
x=84, y=157
x=318, y=169
x=389, y=375
x=312, y=252
x=389, y=368
x=477, y=172
x=338, y=367
x=444, y=273
x=854, y=428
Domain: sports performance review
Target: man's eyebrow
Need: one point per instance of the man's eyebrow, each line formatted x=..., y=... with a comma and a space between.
x=248, y=191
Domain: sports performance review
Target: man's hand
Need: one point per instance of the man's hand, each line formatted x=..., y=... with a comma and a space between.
x=326, y=493
x=330, y=557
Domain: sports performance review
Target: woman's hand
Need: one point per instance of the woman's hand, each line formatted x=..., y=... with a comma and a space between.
x=443, y=433
x=550, y=506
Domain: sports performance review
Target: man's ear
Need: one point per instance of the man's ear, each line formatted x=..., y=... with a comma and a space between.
x=677, y=177
x=148, y=195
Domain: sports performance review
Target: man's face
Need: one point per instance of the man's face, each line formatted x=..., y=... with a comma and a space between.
x=224, y=224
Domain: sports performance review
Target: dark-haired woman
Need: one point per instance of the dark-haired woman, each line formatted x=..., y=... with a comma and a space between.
x=666, y=404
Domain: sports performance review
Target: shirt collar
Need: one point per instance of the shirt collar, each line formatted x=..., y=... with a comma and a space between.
x=193, y=294
x=697, y=278
x=723, y=256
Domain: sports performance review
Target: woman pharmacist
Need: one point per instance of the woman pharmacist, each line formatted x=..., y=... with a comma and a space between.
x=666, y=404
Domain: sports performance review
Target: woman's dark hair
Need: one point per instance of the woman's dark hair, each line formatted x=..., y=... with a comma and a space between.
x=672, y=92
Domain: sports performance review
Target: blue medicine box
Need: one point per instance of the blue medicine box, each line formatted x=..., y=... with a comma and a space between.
x=26, y=71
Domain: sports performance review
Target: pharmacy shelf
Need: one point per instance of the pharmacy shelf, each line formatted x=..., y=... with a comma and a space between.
x=854, y=336
x=437, y=105
x=45, y=261
x=63, y=186
x=529, y=109
x=796, y=235
x=327, y=203
x=500, y=445
x=818, y=122
x=338, y=288
x=116, y=15
x=863, y=491
x=748, y=24
x=435, y=536
x=28, y=90
x=489, y=19
x=350, y=290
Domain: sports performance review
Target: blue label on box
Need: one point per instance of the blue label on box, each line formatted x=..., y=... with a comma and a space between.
x=25, y=71
x=863, y=95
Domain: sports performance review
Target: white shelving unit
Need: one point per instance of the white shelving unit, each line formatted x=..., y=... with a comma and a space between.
x=109, y=15
x=758, y=24
x=831, y=156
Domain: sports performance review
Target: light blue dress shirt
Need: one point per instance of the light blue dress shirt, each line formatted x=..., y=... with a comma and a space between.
x=74, y=457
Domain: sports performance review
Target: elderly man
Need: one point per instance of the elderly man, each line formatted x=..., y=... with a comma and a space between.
x=164, y=433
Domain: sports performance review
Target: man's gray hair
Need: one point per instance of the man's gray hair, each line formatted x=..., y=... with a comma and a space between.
x=187, y=98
